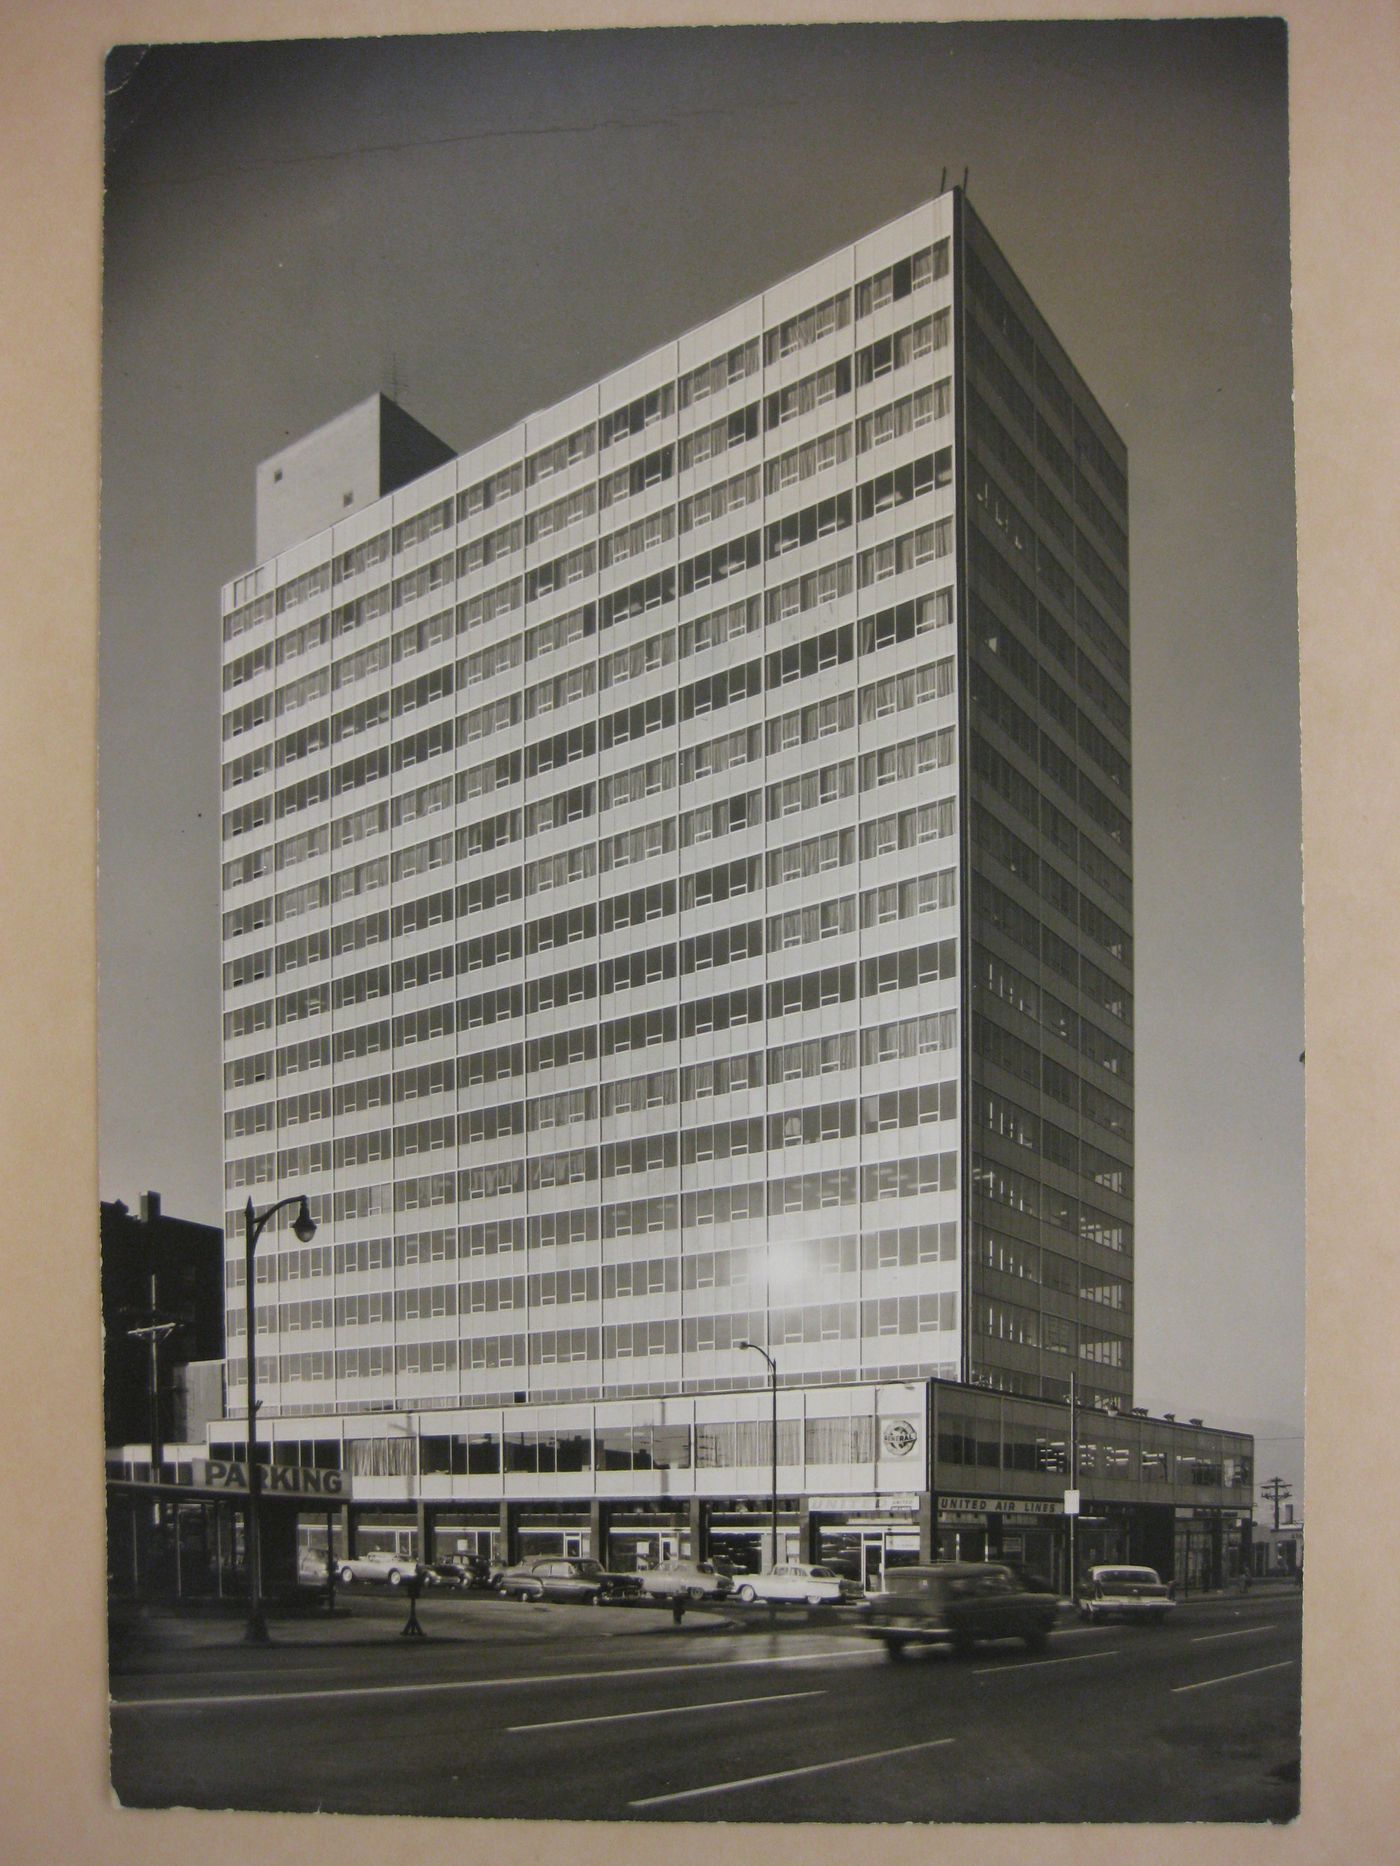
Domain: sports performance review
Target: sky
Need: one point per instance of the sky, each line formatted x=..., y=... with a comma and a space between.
x=490, y=223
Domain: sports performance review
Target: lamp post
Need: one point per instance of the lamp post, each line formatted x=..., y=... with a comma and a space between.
x=773, y=1387
x=304, y=1226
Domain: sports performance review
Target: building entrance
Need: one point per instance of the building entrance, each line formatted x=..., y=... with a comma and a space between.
x=632, y=1549
x=864, y=1553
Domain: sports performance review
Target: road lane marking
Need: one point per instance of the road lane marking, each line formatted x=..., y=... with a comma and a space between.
x=668, y=1710
x=207, y=1701
x=782, y=1775
x=1240, y=1632
x=1026, y=1665
x=1229, y=1677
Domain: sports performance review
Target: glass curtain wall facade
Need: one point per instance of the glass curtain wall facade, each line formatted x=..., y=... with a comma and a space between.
x=600, y=815
x=1048, y=847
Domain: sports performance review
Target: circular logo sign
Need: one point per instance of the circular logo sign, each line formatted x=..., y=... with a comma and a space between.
x=899, y=1438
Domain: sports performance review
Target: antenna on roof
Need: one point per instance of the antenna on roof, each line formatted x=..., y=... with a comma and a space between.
x=943, y=180
x=965, y=174
x=397, y=388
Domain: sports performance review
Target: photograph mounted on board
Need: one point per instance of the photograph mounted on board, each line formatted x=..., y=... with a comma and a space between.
x=701, y=998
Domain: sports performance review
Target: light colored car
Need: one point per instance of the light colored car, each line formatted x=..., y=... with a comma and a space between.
x=799, y=1581
x=685, y=1580
x=1116, y=1591
x=378, y=1565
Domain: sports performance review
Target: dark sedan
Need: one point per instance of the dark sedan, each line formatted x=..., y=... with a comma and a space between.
x=958, y=1604
x=459, y=1571
x=567, y=1577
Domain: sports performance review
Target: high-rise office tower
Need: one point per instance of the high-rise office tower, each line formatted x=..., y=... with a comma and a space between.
x=677, y=875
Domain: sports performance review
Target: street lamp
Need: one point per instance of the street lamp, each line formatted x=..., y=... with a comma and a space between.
x=304, y=1226
x=773, y=1386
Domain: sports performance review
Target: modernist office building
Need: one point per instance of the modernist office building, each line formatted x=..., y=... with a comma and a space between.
x=677, y=893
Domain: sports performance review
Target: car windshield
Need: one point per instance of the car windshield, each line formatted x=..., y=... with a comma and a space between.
x=1128, y=1577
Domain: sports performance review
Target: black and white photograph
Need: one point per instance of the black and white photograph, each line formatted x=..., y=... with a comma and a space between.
x=700, y=1011
x=724, y=828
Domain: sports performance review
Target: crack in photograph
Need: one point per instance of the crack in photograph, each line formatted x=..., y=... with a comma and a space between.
x=701, y=1049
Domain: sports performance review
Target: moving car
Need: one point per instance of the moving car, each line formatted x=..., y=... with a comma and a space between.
x=378, y=1565
x=815, y=1584
x=1115, y=1591
x=957, y=1603
x=685, y=1580
x=566, y=1577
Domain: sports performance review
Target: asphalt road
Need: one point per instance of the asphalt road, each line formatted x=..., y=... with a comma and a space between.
x=576, y=1713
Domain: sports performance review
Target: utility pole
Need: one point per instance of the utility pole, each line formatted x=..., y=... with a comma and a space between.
x=1274, y=1492
x=154, y=1334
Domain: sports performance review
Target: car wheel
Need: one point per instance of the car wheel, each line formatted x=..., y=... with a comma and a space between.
x=816, y=1600
x=747, y=1595
x=963, y=1644
x=395, y=1577
x=347, y=1575
x=695, y=1593
x=1037, y=1639
x=1085, y=1613
x=894, y=1650
x=1158, y=1619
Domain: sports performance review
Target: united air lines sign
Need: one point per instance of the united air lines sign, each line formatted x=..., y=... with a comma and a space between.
x=275, y=1480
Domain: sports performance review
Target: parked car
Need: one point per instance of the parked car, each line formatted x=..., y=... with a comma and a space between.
x=1114, y=1591
x=566, y=1577
x=378, y=1565
x=685, y=1580
x=816, y=1584
x=311, y=1567
x=457, y=1571
x=956, y=1604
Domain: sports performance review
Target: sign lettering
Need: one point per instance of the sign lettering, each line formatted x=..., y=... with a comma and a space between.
x=286, y=1480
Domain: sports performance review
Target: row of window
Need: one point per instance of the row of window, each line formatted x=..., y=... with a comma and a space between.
x=932, y=1313
x=1025, y=1202
x=994, y=909
x=993, y=1113
x=815, y=588
x=902, y=622
x=1000, y=775
x=741, y=812
x=1034, y=1263
x=891, y=1248
x=542, y=1290
x=995, y=843
x=882, y=1179
x=879, y=906
x=994, y=976
x=754, y=1134
x=875, y=700
x=653, y=777
x=844, y=1439
x=892, y=971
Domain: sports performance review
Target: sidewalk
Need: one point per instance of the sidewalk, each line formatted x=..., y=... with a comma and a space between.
x=379, y=1620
